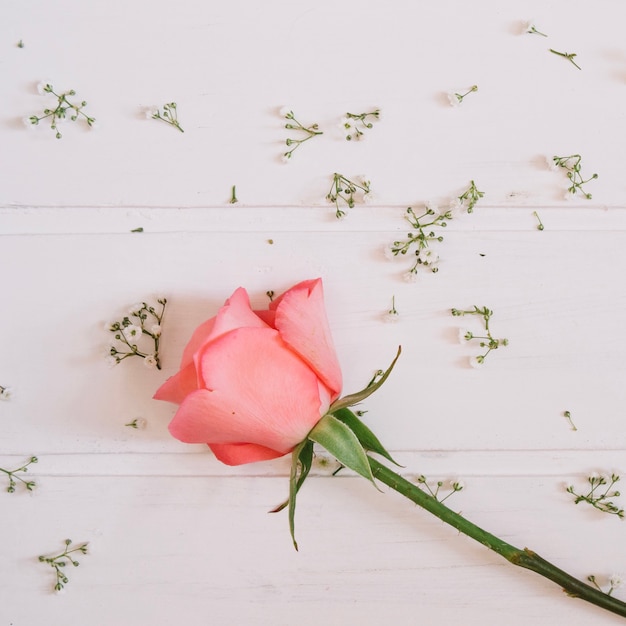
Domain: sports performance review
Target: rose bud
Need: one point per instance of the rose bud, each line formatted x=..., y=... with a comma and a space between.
x=252, y=384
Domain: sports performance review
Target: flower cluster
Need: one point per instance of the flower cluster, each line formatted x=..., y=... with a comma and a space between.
x=599, y=499
x=354, y=124
x=571, y=164
x=132, y=329
x=169, y=115
x=455, y=487
x=60, y=561
x=308, y=132
x=487, y=341
x=5, y=393
x=12, y=476
x=345, y=191
x=62, y=112
x=422, y=236
x=615, y=581
x=456, y=99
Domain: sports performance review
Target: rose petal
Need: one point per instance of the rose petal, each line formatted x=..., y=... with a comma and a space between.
x=302, y=322
x=236, y=313
x=240, y=453
x=258, y=391
x=178, y=387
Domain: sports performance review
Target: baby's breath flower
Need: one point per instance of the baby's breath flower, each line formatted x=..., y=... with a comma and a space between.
x=392, y=315
x=476, y=361
x=421, y=239
x=464, y=335
x=132, y=332
x=60, y=561
x=456, y=99
x=487, y=341
x=457, y=204
x=410, y=276
x=285, y=111
x=110, y=361
x=354, y=124
x=15, y=479
x=616, y=580
x=169, y=115
x=388, y=252
x=139, y=423
x=44, y=87
x=64, y=111
x=5, y=393
x=150, y=361
x=599, y=497
x=308, y=132
x=531, y=30
x=572, y=165
x=345, y=192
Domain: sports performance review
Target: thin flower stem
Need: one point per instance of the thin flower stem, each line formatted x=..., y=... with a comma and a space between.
x=521, y=557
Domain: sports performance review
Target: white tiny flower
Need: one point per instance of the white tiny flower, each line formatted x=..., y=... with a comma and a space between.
x=43, y=87
x=132, y=332
x=28, y=123
x=95, y=125
x=155, y=329
x=432, y=206
x=476, y=361
x=391, y=317
x=410, y=276
x=109, y=326
x=150, y=112
x=150, y=361
x=135, y=308
x=139, y=423
x=457, y=204
x=453, y=99
x=160, y=298
x=363, y=180
x=345, y=123
x=111, y=361
x=369, y=198
x=463, y=335
x=388, y=252
x=616, y=580
x=428, y=256
x=286, y=158
x=5, y=393
x=457, y=485
x=285, y=111
x=552, y=164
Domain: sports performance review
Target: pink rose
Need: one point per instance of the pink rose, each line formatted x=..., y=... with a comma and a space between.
x=252, y=384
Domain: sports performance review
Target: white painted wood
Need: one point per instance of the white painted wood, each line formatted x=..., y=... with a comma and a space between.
x=177, y=537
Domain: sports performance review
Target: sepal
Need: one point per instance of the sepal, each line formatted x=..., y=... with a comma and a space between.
x=301, y=461
x=336, y=437
x=359, y=396
x=366, y=437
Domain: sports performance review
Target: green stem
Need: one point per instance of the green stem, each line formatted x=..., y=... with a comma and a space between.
x=522, y=557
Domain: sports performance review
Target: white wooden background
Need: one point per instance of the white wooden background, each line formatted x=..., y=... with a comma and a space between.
x=173, y=535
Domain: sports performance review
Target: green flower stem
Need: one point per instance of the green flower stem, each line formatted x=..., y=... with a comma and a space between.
x=522, y=557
